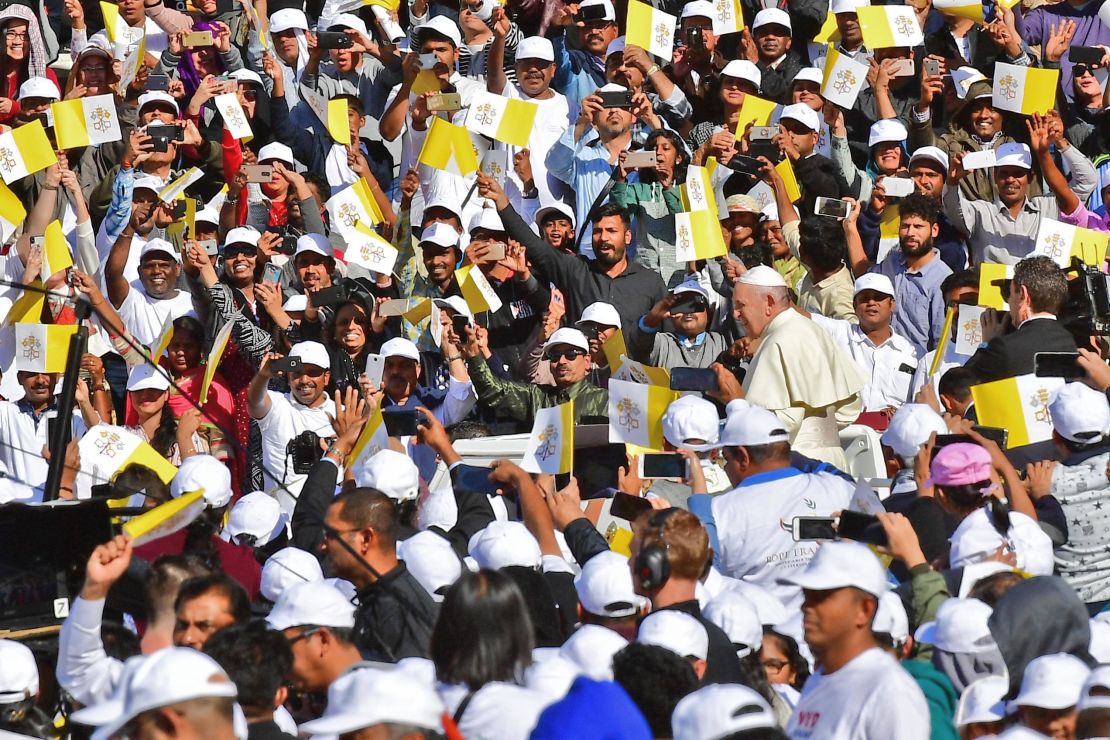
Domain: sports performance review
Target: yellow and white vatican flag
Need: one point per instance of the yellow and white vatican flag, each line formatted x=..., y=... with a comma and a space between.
x=132, y=56
x=219, y=344
x=551, y=447
x=698, y=236
x=886, y=26
x=371, y=251
x=162, y=343
x=756, y=111
x=28, y=307
x=42, y=348
x=24, y=151
x=1018, y=404
x=106, y=450
x=991, y=277
x=176, y=189
x=1024, y=90
x=235, y=118
x=412, y=310
x=636, y=413
x=971, y=9
x=372, y=440
x=165, y=519
x=448, y=147
x=843, y=79
x=505, y=119
x=56, y=254
x=352, y=206
x=789, y=180
x=698, y=193
x=1062, y=241
x=634, y=371
x=650, y=29
x=969, y=329
x=729, y=17
x=12, y=212
x=86, y=121
x=614, y=350
x=338, y=121
x=476, y=290
x=888, y=230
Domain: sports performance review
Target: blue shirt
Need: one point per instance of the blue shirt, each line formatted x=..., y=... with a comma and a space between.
x=919, y=309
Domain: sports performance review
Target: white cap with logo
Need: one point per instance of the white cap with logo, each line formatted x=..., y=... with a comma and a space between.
x=699, y=9
x=887, y=129
x=315, y=243
x=147, y=377
x=367, y=697
x=750, y=426
x=441, y=25
x=690, y=418
x=931, y=153
x=803, y=114
x=38, y=87
x=604, y=314
x=440, y=234
x=742, y=69
x=535, y=47
x=771, y=16
x=157, y=96
x=1014, y=155
x=243, y=235
x=287, y=18
x=400, y=347
x=275, y=150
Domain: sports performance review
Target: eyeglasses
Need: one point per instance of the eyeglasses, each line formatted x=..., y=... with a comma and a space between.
x=20, y=35
x=772, y=665
x=245, y=251
x=249, y=94
x=303, y=636
x=98, y=68
x=566, y=354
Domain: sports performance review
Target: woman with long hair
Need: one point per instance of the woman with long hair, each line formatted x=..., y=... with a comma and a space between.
x=350, y=336
x=147, y=397
x=22, y=56
x=192, y=65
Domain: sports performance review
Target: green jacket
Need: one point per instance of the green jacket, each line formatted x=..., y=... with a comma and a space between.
x=521, y=401
x=928, y=591
x=654, y=209
x=940, y=696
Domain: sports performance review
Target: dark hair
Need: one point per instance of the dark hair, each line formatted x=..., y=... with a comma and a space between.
x=822, y=242
x=758, y=733
x=611, y=209
x=165, y=435
x=238, y=603
x=164, y=578
x=200, y=538
x=957, y=383
x=547, y=631
x=138, y=478
x=189, y=325
x=680, y=164
x=759, y=454
x=656, y=679
x=961, y=279
x=922, y=206
x=468, y=429
x=359, y=300
x=369, y=508
x=789, y=647
x=256, y=660
x=1043, y=278
x=754, y=676
x=990, y=589
x=755, y=255
x=318, y=181
x=119, y=642
x=483, y=633
x=968, y=497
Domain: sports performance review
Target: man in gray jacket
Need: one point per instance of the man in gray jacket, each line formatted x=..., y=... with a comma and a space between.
x=690, y=344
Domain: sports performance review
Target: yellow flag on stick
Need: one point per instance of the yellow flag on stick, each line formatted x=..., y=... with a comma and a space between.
x=214, y=356
x=650, y=29
x=12, y=212
x=551, y=447
x=756, y=111
x=1018, y=404
x=86, y=121
x=163, y=342
x=106, y=450
x=636, y=413
x=1026, y=90
x=698, y=236
x=945, y=338
x=28, y=307
x=887, y=26
x=614, y=350
x=789, y=180
x=991, y=276
x=24, y=151
x=372, y=440
x=338, y=121
x=697, y=192
x=42, y=348
x=448, y=147
x=165, y=519
x=56, y=254
x=504, y=119
x=476, y=290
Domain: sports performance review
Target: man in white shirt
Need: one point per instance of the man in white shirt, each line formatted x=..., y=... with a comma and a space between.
x=283, y=416
x=23, y=429
x=888, y=360
x=859, y=692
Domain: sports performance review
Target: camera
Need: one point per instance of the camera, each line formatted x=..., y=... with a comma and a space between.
x=305, y=451
x=1087, y=311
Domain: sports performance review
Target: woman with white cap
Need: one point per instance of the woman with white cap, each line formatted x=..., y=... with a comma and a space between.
x=22, y=56
x=147, y=395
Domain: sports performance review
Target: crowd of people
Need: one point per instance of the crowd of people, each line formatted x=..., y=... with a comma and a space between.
x=782, y=324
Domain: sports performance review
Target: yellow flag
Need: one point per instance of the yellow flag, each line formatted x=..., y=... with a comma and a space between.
x=504, y=119
x=789, y=180
x=887, y=26
x=86, y=121
x=105, y=450
x=448, y=147
x=476, y=290
x=338, y=123
x=756, y=111
x=214, y=356
x=1018, y=404
x=650, y=29
x=551, y=446
x=426, y=81
x=636, y=413
x=163, y=341
x=614, y=350
x=165, y=519
x=697, y=192
x=56, y=254
x=830, y=32
x=24, y=151
x=42, y=348
x=28, y=307
x=371, y=440
x=698, y=236
x=1026, y=90
x=990, y=289
x=12, y=212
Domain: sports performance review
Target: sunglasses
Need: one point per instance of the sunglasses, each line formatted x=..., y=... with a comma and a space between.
x=249, y=94
x=244, y=250
x=1079, y=70
x=692, y=307
x=566, y=354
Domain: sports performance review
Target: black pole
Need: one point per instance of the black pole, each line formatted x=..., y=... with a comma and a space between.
x=60, y=439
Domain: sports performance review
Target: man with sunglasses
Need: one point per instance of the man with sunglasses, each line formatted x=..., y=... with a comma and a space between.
x=316, y=620
x=581, y=71
x=690, y=343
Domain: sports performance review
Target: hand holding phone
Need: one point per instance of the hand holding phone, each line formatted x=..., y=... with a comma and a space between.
x=694, y=379
x=832, y=207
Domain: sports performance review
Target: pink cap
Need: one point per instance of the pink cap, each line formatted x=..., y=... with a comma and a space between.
x=960, y=464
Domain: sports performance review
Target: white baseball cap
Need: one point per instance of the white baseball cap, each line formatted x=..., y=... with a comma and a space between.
x=391, y=472
x=977, y=538
x=1014, y=155
x=749, y=426
x=487, y=220
x=109, y=709
x=699, y=9
x=690, y=286
x=341, y=21
x=159, y=245
x=875, y=281
x=809, y=74
x=148, y=182
x=887, y=129
x=295, y=302
x=983, y=701
x=147, y=377
x=610, y=14
x=763, y=276
x=208, y=215
x=616, y=46
x=960, y=627
x=910, y=427
x=688, y=418
x=801, y=113
x=891, y=617
x=502, y=544
x=286, y=568
x=742, y=69
x=258, y=515
x=738, y=618
x=440, y=234
x=566, y=335
x=842, y=564
x=287, y=18
x=1052, y=682
x=203, y=472
x=19, y=674
x=440, y=200
x=313, y=603
x=535, y=47
x=432, y=561
x=771, y=16
x=366, y=697
x=932, y=153
x=400, y=347
x=157, y=96
x=311, y=353
x=441, y=25
x=556, y=207
x=604, y=314
x=592, y=648
x=315, y=243
x=677, y=631
x=1080, y=413
x=246, y=75
x=170, y=676
x=1099, y=678
x=846, y=6
x=605, y=586
x=243, y=235
x=39, y=87
x=719, y=711
x=275, y=150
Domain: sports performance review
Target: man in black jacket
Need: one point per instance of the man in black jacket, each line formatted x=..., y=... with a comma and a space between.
x=1037, y=293
x=777, y=63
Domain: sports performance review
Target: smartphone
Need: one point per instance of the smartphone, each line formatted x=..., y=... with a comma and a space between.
x=616, y=99
x=628, y=507
x=157, y=83
x=428, y=60
x=446, y=102
x=762, y=133
x=210, y=247
x=814, y=528
x=38, y=241
x=931, y=67
x=865, y=528
x=394, y=307
x=459, y=324
x=271, y=274
x=473, y=479
x=179, y=208
x=496, y=251
x=638, y=159
x=902, y=68
x=746, y=165
x=765, y=148
x=194, y=39
x=590, y=13
x=980, y=160
x=897, y=187
x=287, y=365
x=170, y=131
x=334, y=40
x=1085, y=55
x=375, y=367
x=690, y=305
x=1057, y=365
x=663, y=465
x=693, y=379
x=401, y=422
x=261, y=173
x=832, y=207
x=694, y=38
x=327, y=296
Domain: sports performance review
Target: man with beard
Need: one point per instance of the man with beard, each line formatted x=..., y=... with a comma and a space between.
x=610, y=277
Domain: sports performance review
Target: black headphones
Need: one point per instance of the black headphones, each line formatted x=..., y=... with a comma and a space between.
x=653, y=565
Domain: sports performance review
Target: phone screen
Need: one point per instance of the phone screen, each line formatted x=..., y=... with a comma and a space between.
x=861, y=528
x=272, y=274
x=693, y=379
x=627, y=506
x=832, y=207
x=1057, y=365
x=663, y=465
x=814, y=528
x=473, y=479
x=400, y=422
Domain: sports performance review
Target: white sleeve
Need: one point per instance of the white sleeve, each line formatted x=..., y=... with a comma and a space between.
x=84, y=669
x=460, y=399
